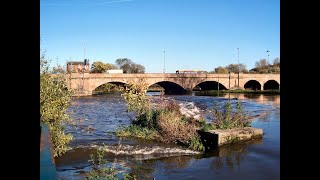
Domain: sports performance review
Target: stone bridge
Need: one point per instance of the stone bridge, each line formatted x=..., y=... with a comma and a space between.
x=86, y=83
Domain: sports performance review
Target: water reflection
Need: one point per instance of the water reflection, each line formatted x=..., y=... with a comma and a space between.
x=143, y=169
x=231, y=156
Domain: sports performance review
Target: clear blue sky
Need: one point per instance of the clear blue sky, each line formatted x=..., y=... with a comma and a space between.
x=195, y=34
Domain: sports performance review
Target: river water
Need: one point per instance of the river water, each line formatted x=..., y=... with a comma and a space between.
x=98, y=117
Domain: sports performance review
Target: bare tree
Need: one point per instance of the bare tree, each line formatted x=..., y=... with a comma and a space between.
x=235, y=68
x=276, y=62
x=128, y=66
x=261, y=63
x=221, y=70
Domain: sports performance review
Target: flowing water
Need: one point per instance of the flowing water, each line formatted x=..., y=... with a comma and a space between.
x=98, y=117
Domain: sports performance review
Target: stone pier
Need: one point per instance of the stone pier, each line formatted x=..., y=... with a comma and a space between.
x=215, y=138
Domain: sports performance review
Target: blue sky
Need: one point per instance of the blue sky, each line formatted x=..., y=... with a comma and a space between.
x=195, y=34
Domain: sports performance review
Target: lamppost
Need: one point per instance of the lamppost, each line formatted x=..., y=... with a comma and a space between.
x=164, y=61
x=238, y=69
x=268, y=55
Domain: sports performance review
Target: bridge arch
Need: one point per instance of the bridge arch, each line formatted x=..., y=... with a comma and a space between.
x=108, y=87
x=253, y=85
x=112, y=82
x=210, y=85
x=170, y=87
x=271, y=85
x=96, y=85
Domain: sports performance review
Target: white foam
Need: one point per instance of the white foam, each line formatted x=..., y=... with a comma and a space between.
x=190, y=110
x=134, y=150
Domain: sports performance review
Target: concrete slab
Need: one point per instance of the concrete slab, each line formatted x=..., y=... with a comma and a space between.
x=215, y=138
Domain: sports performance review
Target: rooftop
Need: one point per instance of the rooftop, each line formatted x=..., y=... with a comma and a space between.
x=75, y=62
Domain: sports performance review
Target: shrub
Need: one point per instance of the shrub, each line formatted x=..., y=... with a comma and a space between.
x=54, y=101
x=175, y=127
x=196, y=144
x=100, y=170
x=135, y=96
x=226, y=118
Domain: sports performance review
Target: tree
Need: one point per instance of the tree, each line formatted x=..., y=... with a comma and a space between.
x=276, y=62
x=261, y=63
x=128, y=66
x=109, y=66
x=263, y=67
x=122, y=61
x=234, y=68
x=58, y=69
x=100, y=67
x=135, y=96
x=137, y=68
x=221, y=70
x=54, y=102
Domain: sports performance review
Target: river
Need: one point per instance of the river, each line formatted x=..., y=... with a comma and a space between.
x=97, y=118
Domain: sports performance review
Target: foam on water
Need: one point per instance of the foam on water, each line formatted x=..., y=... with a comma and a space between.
x=136, y=152
x=190, y=110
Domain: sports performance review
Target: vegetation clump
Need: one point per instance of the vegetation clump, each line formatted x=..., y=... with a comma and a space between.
x=227, y=118
x=166, y=123
x=101, y=170
x=54, y=102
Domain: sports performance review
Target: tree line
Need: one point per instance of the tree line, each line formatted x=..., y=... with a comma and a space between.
x=128, y=66
x=261, y=67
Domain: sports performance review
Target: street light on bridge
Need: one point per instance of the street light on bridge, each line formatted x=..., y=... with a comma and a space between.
x=268, y=55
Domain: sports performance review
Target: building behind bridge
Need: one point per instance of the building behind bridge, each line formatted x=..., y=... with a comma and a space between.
x=78, y=66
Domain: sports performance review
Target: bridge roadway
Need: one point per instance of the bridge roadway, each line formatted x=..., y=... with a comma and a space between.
x=85, y=83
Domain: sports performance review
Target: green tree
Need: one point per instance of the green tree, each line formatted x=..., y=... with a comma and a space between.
x=100, y=67
x=135, y=96
x=54, y=101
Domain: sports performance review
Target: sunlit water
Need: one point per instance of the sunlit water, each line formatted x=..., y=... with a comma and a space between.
x=97, y=118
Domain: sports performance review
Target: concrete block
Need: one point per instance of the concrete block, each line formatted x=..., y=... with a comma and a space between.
x=215, y=138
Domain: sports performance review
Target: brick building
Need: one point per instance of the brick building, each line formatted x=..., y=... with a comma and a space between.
x=78, y=66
